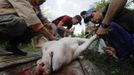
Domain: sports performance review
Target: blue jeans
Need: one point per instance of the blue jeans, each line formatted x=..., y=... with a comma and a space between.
x=121, y=40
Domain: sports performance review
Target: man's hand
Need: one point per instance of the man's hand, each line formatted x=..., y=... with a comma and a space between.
x=40, y=28
x=53, y=38
x=102, y=31
x=71, y=32
x=111, y=51
x=72, y=29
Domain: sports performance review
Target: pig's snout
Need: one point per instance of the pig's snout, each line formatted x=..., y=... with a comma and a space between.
x=41, y=69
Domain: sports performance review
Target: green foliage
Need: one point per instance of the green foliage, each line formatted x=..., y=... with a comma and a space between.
x=101, y=5
x=30, y=48
x=26, y=47
x=82, y=35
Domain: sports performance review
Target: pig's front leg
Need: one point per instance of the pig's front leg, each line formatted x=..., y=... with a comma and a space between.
x=57, y=64
x=83, y=46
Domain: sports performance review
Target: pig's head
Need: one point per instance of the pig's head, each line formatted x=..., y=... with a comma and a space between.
x=43, y=67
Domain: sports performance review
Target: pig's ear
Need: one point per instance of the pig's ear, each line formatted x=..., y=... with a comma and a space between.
x=39, y=61
x=40, y=42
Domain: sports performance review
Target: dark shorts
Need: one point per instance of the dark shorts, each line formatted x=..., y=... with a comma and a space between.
x=60, y=32
x=11, y=26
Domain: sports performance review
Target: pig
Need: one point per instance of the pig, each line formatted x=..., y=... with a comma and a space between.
x=56, y=54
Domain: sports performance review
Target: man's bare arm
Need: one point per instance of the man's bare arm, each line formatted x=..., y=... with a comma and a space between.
x=113, y=8
x=60, y=26
x=41, y=29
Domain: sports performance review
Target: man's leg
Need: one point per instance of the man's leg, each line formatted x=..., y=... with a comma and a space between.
x=25, y=38
x=60, y=32
x=119, y=39
x=12, y=46
x=54, y=27
x=11, y=28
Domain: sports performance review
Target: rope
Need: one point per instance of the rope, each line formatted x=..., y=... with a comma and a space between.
x=51, y=65
x=81, y=66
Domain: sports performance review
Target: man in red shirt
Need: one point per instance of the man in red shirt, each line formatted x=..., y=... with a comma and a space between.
x=66, y=21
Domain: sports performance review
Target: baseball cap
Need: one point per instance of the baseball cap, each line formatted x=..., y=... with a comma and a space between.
x=89, y=13
x=78, y=17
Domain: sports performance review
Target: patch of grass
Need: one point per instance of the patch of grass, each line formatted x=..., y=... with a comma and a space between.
x=25, y=47
x=30, y=48
x=108, y=65
x=2, y=46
